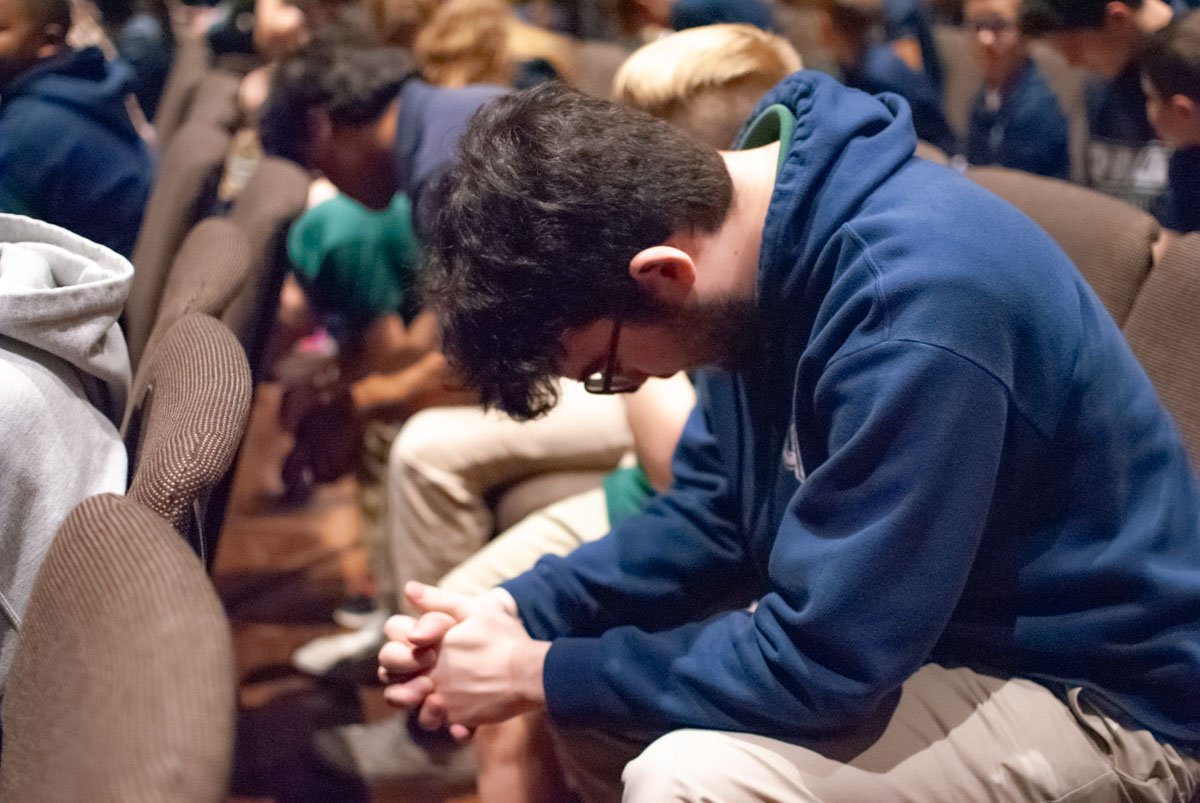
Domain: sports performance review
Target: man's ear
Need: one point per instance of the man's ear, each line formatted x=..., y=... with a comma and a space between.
x=1182, y=108
x=667, y=273
x=1118, y=14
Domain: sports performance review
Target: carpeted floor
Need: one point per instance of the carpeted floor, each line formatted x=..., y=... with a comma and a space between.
x=281, y=569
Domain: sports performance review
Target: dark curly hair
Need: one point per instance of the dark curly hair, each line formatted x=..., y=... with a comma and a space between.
x=553, y=195
x=347, y=71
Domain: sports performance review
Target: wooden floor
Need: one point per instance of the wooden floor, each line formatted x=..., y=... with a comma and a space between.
x=280, y=571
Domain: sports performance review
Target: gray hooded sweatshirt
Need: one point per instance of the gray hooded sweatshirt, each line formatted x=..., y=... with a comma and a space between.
x=64, y=378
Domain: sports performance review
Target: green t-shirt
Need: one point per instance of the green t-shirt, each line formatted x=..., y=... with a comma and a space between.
x=353, y=263
x=626, y=492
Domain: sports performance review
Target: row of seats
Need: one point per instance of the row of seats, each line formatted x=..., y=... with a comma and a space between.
x=123, y=685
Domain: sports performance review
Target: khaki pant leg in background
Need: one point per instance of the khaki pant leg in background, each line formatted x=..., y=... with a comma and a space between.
x=445, y=460
x=956, y=736
x=557, y=529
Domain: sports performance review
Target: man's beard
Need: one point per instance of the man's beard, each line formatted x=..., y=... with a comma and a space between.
x=724, y=332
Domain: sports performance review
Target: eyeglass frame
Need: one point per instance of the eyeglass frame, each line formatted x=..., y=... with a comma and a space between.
x=606, y=382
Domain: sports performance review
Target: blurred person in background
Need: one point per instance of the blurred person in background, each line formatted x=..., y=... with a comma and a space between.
x=1016, y=121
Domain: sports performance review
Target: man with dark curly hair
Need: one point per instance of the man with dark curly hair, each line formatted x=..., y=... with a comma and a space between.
x=931, y=537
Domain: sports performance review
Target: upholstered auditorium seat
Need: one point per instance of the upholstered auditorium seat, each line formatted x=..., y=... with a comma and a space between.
x=1109, y=240
x=190, y=411
x=207, y=273
x=122, y=687
x=184, y=192
x=187, y=70
x=273, y=198
x=1163, y=328
x=215, y=101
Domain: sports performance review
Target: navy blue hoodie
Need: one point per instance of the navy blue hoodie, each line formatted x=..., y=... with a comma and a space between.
x=946, y=452
x=69, y=154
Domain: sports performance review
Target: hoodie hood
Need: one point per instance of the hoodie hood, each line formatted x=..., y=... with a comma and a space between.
x=63, y=294
x=82, y=80
x=845, y=145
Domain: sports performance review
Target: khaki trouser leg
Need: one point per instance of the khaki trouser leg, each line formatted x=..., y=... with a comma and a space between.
x=446, y=459
x=378, y=437
x=555, y=530
x=955, y=736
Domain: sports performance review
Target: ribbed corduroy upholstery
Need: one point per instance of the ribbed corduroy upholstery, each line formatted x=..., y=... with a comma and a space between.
x=211, y=267
x=595, y=65
x=194, y=401
x=961, y=76
x=122, y=688
x=1164, y=331
x=1109, y=240
x=216, y=101
x=183, y=193
x=274, y=197
x=191, y=63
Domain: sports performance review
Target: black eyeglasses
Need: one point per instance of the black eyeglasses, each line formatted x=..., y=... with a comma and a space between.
x=607, y=382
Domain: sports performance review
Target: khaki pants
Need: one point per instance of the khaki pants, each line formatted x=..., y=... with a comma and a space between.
x=556, y=529
x=955, y=736
x=447, y=459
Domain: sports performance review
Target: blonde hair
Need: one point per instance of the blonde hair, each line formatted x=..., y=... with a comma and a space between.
x=705, y=80
x=398, y=21
x=466, y=42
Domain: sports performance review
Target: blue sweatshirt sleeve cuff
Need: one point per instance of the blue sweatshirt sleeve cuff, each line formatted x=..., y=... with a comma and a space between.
x=577, y=693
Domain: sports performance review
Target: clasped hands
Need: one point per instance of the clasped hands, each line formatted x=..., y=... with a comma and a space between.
x=466, y=661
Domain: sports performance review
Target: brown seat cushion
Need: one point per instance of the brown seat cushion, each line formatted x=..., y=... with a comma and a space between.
x=1164, y=331
x=122, y=688
x=1107, y=239
x=191, y=415
x=183, y=193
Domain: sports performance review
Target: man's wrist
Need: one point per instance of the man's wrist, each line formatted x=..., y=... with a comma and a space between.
x=528, y=662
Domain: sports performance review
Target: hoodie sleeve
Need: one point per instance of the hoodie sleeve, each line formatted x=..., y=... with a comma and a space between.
x=31, y=163
x=866, y=568
x=680, y=558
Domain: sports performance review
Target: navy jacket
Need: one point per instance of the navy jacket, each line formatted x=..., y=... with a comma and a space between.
x=1027, y=132
x=1124, y=156
x=69, y=154
x=430, y=121
x=883, y=71
x=1179, y=207
x=946, y=452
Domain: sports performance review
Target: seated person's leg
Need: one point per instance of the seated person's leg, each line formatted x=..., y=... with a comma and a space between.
x=446, y=460
x=555, y=530
x=955, y=735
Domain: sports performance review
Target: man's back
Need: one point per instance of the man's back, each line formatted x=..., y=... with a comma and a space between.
x=69, y=154
x=946, y=452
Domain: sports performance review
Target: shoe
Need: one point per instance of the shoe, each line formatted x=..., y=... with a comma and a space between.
x=356, y=612
x=319, y=656
x=388, y=753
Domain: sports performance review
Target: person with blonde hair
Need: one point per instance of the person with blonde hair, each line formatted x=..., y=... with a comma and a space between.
x=705, y=80
x=466, y=42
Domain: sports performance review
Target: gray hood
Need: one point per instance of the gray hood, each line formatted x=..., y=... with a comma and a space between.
x=62, y=294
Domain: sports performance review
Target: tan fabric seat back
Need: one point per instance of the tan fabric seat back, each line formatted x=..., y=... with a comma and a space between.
x=273, y=198
x=216, y=101
x=211, y=268
x=1108, y=240
x=961, y=76
x=596, y=64
x=122, y=688
x=191, y=63
x=1069, y=85
x=184, y=191
x=189, y=418
x=1164, y=331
